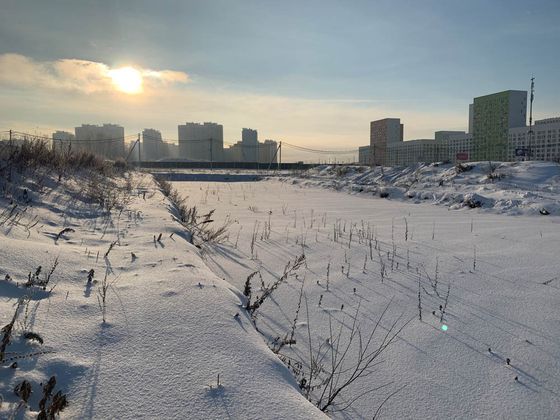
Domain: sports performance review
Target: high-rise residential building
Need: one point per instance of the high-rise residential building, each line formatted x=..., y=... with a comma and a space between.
x=62, y=140
x=106, y=140
x=493, y=116
x=153, y=147
x=201, y=142
x=170, y=151
x=250, y=143
x=382, y=133
x=268, y=152
x=254, y=152
x=364, y=155
x=234, y=153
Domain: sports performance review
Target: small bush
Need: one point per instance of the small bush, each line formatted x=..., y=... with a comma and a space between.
x=341, y=171
x=462, y=167
x=120, y=164
x=472, y=203
x=35, y=154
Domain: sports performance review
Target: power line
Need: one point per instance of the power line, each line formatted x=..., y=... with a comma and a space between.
x=36, y=136
x=307, y=149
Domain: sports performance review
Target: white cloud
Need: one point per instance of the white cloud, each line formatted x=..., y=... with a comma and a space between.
x=73, y=74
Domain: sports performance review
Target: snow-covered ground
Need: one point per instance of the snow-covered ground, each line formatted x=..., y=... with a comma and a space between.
x=514, y=188
x=488, y=280
x=171, y=323
x=501, y=275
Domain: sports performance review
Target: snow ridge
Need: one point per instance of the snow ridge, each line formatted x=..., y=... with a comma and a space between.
x=511, y=188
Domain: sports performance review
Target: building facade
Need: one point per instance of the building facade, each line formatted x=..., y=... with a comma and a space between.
x=383, y=133
x=471, y=118
x=364, y=155
x=268, y=152
x=201, y=142
x=262, y=152
x=62, y=140
x=106, y=140
x=543, y=144
x=455, y=146
x=406, y=153
x=493, y=115
x=250, y=143
x=153, y=147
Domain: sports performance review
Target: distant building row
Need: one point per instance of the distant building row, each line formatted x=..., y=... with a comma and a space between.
x=497, y=131
x=205, y=142
x=105, y=140
x=197, y=142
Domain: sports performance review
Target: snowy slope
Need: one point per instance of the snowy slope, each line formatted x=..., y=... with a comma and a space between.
x=503, y=275
x=171, y=327
x=516, y=187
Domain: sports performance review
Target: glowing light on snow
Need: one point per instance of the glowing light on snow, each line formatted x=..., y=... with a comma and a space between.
x=444, y=327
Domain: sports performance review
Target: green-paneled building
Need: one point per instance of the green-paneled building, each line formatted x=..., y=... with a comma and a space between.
x=493, y=115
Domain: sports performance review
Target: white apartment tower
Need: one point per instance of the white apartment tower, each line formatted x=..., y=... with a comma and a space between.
x=250, y=145
x=153, y=147
x=106, y=140
x=201, y=142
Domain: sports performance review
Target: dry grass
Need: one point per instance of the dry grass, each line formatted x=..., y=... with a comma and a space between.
x=199, y=225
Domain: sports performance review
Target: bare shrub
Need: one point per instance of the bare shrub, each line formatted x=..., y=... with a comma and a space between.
x=7, y=331
x=196, y=223
x=331, y=370
x=34, y=278
x=289, y=269
x=463, y=167
x=32, y=154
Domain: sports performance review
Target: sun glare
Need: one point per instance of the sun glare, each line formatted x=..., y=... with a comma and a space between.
x=127, y=79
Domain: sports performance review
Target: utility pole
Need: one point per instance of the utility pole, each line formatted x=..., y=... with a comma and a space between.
x=531, y=117
x=280, y=155
x=10, y=136
x=139, y=152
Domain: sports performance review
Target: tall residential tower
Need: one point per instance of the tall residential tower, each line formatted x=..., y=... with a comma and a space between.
x=201, y=142
x=382, y=133
x=493, y=115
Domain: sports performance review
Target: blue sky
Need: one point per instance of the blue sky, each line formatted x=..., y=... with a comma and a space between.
x=360, y=60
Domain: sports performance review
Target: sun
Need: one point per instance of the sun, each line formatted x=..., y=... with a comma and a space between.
x=127, y=79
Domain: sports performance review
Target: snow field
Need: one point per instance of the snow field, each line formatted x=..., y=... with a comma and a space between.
x=500, y=274
x=171, y=327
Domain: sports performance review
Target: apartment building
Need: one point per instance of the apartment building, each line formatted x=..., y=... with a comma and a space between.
x=106, y=140
x=492, y=116
x=201, y=142
x=406, y=153
x=153, y=147
x=383, y=133
x=544, y=144
x=62, y=140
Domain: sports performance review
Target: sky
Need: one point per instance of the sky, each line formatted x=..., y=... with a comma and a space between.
x=311, y=73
